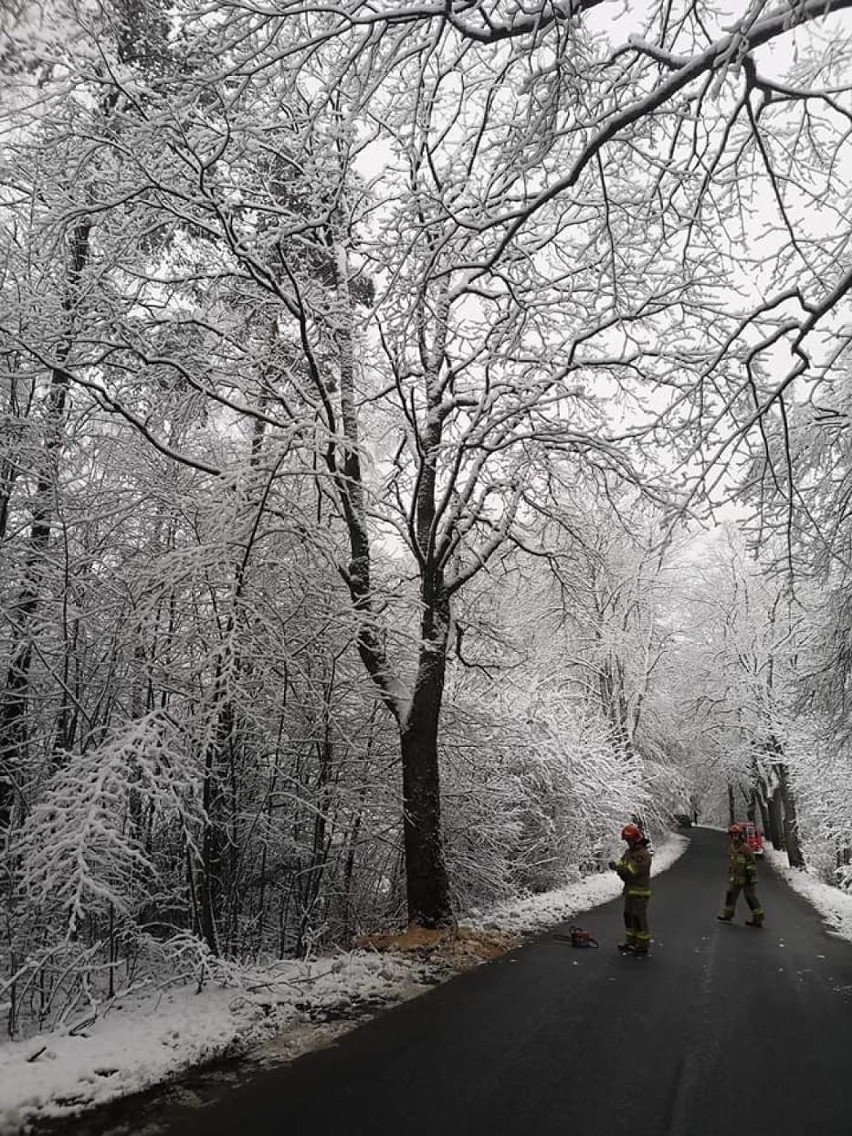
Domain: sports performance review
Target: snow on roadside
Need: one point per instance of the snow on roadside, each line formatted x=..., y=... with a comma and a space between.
x=834, y=905
x=536, y=912
x=147, y=1039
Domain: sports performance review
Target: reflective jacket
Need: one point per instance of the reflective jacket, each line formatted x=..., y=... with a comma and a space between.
x=742, y=869
x=634, y=868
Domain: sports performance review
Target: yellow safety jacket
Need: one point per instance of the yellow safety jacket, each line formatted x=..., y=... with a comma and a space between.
x=634, y=868
x=742, y=869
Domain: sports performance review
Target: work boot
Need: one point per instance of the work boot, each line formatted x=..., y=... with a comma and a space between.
x=725, y=918
x=754, y=922
x=625, y=948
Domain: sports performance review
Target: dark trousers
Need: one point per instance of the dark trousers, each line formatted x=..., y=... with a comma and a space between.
x=637, y=932
x=750, y=893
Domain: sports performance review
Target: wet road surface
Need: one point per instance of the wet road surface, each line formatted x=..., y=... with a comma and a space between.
x=724, y=1028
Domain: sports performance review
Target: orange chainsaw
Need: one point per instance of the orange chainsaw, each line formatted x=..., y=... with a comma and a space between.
x=578, y=937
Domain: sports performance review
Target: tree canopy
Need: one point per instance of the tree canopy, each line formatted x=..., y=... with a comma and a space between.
x=370, y=376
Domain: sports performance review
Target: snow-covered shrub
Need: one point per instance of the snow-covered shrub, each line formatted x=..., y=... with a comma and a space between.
x=823, y=783
x=83, y=872
x=82, y=847
x=532, y=801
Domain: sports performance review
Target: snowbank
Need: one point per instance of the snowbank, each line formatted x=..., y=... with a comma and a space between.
x=834, y=905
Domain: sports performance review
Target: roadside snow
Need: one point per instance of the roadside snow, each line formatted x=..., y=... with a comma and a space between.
x=535, y=912
x=148, y=1039
x=144, y=1040
x=834, y=905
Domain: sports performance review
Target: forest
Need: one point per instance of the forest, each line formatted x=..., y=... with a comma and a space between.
x=422, y=450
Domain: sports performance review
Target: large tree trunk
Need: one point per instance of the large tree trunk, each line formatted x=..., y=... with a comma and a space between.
x=427, y=883
x=764, y=813
x=795, y=857
x=417, y=715
x=775, y=828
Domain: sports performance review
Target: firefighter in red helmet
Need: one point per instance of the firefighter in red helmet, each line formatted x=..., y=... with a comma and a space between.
x=634, y=868
x=742, y=877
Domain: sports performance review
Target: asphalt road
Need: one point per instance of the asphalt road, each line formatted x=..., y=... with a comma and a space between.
x=722, y=1029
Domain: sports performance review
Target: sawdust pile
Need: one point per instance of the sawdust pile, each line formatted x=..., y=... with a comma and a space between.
x=458, y=949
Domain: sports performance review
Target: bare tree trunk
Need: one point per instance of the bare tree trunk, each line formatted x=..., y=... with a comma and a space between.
x=614, y=704
x=13, y=432
x=795, y=857
x=348, y=921
x=775, y=828
x=764, y=813
x=352, y=839
x=219, y=896
x=760, y=795
x=314, y=872
x=427, y=884
x=208, y=886
x=14, y=699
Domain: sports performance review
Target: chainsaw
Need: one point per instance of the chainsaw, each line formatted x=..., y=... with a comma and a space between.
x=578, y=937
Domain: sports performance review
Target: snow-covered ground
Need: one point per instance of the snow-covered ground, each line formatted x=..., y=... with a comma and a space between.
x=146, y=1040
x=833, y=905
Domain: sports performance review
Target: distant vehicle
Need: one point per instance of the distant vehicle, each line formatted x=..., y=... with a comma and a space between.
x=752, y=836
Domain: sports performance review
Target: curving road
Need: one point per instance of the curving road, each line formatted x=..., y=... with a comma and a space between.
x=723, y=1028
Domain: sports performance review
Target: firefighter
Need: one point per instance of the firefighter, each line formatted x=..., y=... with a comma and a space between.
x=742, y=877
x=634, y=868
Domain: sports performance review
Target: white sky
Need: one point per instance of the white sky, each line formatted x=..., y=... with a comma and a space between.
x=147, y=1039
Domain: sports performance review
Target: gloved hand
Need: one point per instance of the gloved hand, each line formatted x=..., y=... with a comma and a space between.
x=613, y=865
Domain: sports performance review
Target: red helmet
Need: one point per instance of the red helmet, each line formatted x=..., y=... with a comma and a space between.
x=735, y=830
x=631, y=833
